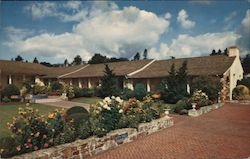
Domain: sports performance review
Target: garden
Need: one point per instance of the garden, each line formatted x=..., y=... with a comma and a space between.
x=110, y=109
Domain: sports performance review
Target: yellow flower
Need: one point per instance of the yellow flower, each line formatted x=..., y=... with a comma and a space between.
x=51, y=115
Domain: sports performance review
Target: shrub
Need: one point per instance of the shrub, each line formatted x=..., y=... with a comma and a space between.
x=86, y=92
x=140, y=91
x=129, y=121
x=180, y=106
x=241, y=92
x=67, y=135
x=76, y=109
x=77, y=91
x=41, y=89
x=10, y=90
x=245, y=82
x=108, y=112
x=6, y=100
x=8, y=147
x=70, y=91
x=209, y=85
x=127, y=94
x=77, y=119
x=200, y=98
x=84, y=130
x=55, y=86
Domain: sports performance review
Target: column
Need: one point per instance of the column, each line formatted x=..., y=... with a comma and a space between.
x=89, y=83
x=148, y=85
x=79, y=83
x=188, y=88
x=10, y=79
x=70, y=82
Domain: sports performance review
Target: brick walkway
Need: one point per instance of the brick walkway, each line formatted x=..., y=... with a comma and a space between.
x=220, y=134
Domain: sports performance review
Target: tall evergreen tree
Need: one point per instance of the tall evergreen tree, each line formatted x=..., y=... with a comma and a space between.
x=77, y=60
x=98, y=58
x=108, y=83
x=35, y=60
x=137, y=56
x=66, y=63
x=225, y=52
x=18, y=58
x=182, y=78
x=145, y=54
x=213, y=53
x=219, y=52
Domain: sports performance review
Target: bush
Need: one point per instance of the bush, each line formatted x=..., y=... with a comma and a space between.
x=41, y=89
x=129, y=121
x=209, y=85
x=140, y=91
x=8, y=147
x=84, y=130
x=76, y=109
x=200, y=98
x=245, y=82
x=241, y=92
x=86, y=92
x=10, y=90
x=77, y=91
x=77, y=119
x=127, y=94
x=6, y=100
x=55, y=86
x=180, y=106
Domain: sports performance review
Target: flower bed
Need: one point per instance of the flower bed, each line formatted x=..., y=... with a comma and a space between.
x=203, y=110
x=94, y=145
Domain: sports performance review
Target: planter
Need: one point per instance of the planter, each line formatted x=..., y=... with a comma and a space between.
x=193, y=112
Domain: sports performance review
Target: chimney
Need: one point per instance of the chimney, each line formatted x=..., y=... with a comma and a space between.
x=233, y=51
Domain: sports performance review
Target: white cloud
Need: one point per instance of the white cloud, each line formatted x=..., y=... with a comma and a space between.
x=167, y=16
x=187, y=46
x=230, y=17
x=246, y=21
x=16, y=34
x=111, y=31
x=184, y=21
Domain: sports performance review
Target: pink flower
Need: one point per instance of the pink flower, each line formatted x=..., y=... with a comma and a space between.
x=46, y=145
x=44, y=136
x=18, y=148
x=37, y=134
x=35, y=148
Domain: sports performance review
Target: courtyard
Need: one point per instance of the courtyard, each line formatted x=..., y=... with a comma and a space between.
x=220, y=134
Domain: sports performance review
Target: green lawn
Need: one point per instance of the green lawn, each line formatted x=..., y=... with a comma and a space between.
x=88, y=100
x=8, y=111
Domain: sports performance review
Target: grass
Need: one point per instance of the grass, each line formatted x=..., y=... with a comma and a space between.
x=88, y=100
x=8, y=111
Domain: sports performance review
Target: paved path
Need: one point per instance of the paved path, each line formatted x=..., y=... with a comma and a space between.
x=220, y=134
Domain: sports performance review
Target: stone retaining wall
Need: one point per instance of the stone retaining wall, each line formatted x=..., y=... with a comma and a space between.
x=246, y=102
x=203, y=110
x=94, y=145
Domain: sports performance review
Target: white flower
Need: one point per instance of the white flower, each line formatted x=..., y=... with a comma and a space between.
x=105, y=106
x=101, y=103
x=120, y=111
x=108, y=108
x=107, y=100
x=113, y=97
x=119, y=100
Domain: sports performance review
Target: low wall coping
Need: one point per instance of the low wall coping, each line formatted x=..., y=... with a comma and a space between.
x=204, y=110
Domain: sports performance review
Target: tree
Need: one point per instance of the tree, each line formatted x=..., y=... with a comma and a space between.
x=145, y=54
x=108, y=83
x=35, y=60
x=114, y=59
x=225, y=52
x=213, y=53
x=46, y=64
x=77, y=60
x=66, y=63
x=246, y=64
x=18, y=58
x=219, y=52
x=137, y=56
x=173, y=88
x=98, y=58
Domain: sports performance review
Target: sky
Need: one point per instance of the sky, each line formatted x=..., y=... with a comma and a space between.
x=54, y=31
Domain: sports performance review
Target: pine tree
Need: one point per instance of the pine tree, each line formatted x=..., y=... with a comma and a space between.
x=137, y=56
x=35, y=60
x=108, y=83
x=77, y=60
x=182, y=78
x=145, y=54
x=18, y=58
x=66, y=63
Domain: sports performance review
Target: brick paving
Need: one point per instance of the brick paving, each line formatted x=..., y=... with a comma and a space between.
x=220, y=134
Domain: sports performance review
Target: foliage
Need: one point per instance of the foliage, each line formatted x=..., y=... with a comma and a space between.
x=245, y=82
x=210, y=85
x=38, y=89
x=55, y=86
x=241, y=92
x=35, y=60
x=84, y=130
x=127, y=93
x=69, y=90
x=98, y=58
x=181, y=105
x=77, y=60
x=140, y=91
x=6, y=100
x=200, y=98
x=108, y=113
x=8, y=147
x=88, y=92
x=108, y=83
x=145, y=54
x=76, y=109
x=78, y=92
x=174, y=87
x=18, y=58
x=246, y=64
x=137, y=56
x=10, y=90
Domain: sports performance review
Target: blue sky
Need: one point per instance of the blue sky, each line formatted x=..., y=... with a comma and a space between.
x=55, y=30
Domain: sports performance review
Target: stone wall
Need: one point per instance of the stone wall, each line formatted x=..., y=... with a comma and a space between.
x=203, y=110
x=94, y=145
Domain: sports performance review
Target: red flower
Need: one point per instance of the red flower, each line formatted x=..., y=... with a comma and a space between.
x=46, y=145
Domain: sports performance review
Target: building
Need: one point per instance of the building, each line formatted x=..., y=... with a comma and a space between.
x=129, y=73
